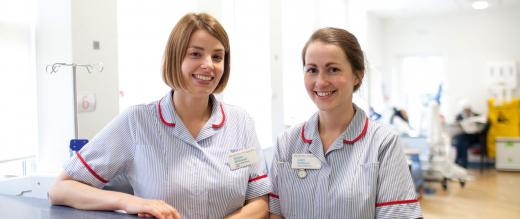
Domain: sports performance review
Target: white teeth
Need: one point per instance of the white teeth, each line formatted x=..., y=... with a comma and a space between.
x=322, y=94
x=203, y=77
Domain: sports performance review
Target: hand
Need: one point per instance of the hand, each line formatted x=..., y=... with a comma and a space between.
x=149, y=208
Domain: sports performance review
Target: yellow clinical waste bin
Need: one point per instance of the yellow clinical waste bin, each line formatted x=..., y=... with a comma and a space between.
x=505, y=122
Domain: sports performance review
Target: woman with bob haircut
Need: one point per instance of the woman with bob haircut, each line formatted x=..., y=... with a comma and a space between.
x=339, y=164
x=186, y=155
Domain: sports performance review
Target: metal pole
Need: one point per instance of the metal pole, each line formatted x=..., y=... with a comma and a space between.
x=75, y=103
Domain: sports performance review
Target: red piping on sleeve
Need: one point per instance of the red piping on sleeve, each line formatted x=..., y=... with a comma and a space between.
x=396, y=202
x=257, y=178
x=90, y=169
x=273, y=195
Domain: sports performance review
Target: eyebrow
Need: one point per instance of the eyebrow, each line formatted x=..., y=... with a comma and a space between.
x=326, y=65
x=200, y=48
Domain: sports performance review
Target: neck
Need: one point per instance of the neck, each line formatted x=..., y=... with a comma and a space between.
x=335, y=121
x=191, y=108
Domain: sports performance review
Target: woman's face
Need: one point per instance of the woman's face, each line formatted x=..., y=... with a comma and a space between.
x=203, y=64
x=329, y=79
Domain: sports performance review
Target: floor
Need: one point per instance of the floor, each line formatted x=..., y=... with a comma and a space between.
x=492, y=194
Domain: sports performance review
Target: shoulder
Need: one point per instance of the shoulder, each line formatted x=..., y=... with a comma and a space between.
x=381, y=134
x=291, y=134
x=236, y=113
x=140, y=112
x=288, y=141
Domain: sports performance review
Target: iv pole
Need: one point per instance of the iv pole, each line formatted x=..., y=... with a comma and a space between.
x=54, y=68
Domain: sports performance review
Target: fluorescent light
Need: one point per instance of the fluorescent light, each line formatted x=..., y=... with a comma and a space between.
x=480, y=5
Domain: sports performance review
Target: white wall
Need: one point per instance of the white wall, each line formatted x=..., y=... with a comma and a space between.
x=467, y=41
x=64, y=33
x=55, y=109
x=374, y=63
x=96, y=20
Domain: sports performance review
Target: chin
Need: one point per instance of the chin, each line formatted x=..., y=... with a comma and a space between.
x=324, y=107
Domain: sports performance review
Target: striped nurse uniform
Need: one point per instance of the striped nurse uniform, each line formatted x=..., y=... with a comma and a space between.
x=364, y=174
x=153, y=149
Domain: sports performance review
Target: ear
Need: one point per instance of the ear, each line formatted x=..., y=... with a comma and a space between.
x=358, y=77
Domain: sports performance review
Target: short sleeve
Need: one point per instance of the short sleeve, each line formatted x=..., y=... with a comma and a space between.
x=259, y=183
x=106, y=155
x=396, y=197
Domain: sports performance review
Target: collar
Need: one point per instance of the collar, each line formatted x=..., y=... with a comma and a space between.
x=169, y=117
x=354, y=132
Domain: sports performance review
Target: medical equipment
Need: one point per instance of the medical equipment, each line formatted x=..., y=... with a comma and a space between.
x=75, y=144
x=440, y=165
x=54, y=68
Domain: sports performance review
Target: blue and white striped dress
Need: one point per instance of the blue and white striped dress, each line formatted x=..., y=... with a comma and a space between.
x=363, y=175
x=151, y=146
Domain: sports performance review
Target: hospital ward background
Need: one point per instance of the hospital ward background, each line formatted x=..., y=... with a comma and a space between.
x=442, y=73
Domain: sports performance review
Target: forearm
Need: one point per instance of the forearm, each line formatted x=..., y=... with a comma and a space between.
x=275, y=216
x=254, y=208
x=82, y=196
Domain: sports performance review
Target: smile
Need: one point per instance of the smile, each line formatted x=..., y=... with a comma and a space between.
x=324, y=93
x=203, y=77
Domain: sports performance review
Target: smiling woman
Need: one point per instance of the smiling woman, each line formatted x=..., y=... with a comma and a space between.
x=339, y=164
x=177, y=152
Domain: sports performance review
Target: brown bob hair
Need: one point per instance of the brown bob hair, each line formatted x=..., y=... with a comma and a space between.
x=177, y=46
x=348, y=44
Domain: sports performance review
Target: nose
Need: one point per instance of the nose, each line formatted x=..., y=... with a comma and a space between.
x=321, y=80
x=207, y=63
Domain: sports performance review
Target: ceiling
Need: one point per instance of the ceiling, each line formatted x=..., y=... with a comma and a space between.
x=410, y=8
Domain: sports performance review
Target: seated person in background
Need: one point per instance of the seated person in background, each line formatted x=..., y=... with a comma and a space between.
x=466, y=139
x=399, y=120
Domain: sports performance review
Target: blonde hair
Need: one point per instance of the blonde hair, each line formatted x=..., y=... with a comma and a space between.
x=177, y=45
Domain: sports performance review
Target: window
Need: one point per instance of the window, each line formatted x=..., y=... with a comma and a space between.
x=18, y=120
x=143, y=30
x=313, y=14
x=423, y=75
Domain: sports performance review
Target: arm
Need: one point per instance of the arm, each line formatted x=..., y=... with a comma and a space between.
x=66, y=191
x=275, y=216
x=254, y=208
x=259, y=185
x=396, y=196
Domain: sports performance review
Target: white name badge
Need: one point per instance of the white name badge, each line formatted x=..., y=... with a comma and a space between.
x=305, y=161
x=242, y=158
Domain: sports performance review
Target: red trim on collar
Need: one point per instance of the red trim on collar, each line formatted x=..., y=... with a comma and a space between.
x=221, y=121
x=359, y=136
x=161, y=115
x=303, y=135
x=90, y=169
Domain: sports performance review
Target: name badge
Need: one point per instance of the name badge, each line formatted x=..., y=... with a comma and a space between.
x=242, y=158
x=305, y=161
